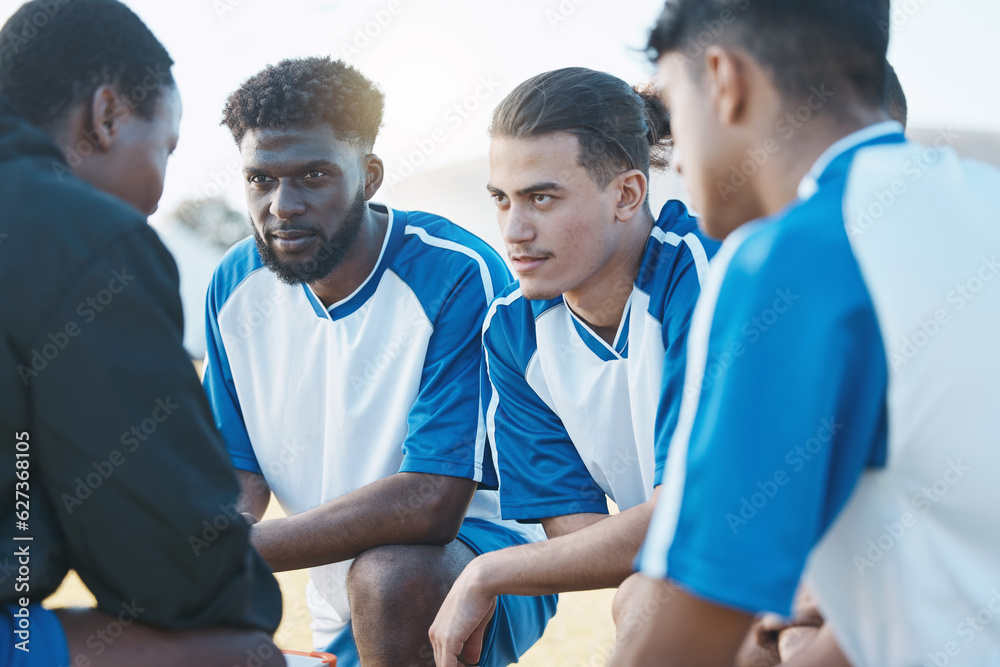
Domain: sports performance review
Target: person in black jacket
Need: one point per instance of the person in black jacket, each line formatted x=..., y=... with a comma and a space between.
x=109, y=461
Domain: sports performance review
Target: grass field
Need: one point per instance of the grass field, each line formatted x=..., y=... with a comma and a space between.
x=581, y=634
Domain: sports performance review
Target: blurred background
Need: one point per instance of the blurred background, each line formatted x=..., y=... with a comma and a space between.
x=444, y=65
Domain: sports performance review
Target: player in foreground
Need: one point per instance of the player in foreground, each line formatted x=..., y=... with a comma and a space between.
x=343, y=369
x=858, y=431
x=773, y=637
x=111, y=465
x=577, y=351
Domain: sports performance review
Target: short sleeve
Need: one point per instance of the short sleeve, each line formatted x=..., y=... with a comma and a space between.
x=787, y=393
x=445, y=433
x=679, y=300
x=540, y=471
x=217, y=380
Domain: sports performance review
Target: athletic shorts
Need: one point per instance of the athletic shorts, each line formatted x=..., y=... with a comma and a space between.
x=35, y=640
x=517, y=623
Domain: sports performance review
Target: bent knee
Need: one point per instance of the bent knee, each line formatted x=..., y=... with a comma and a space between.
x=625, y=599
x=402, y=576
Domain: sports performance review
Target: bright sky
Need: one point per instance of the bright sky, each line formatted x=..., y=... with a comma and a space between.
x=431, y=55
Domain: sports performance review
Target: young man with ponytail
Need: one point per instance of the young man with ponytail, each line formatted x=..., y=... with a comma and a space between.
x=578, y=352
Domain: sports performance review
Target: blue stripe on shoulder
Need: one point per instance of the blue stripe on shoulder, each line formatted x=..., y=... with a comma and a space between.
x=511, y=319
x=239, y=262
x=675, y=244
x=437, y=255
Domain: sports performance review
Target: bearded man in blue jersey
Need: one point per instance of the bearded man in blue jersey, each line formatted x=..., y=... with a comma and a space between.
x=343, y=371
x=848, y=441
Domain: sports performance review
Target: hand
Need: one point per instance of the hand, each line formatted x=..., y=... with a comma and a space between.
x=779, y=639
x=458, y=629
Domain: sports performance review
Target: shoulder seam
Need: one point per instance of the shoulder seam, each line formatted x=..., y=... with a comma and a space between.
x=500, y=301
x=455, y=246
x=694, y=246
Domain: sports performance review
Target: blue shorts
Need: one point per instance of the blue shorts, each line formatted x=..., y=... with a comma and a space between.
x=40, y=633
x=517, y=623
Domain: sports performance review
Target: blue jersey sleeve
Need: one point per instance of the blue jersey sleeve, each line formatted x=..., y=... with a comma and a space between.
x=218, y=382
x=786, y=402
x=446, y=435
x=678, y=305
x=540, y=471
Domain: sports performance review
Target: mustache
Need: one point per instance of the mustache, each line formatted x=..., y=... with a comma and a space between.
x=272, y=230
x=528, y=252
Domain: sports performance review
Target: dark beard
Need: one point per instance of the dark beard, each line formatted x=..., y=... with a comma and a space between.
x=329, y=256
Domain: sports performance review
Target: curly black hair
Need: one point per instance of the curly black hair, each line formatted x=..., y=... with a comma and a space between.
x=55, y=53
x=308, y=91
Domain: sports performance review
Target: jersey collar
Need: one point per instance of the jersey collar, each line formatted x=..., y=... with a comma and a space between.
x=349, y=304
x=871, y=134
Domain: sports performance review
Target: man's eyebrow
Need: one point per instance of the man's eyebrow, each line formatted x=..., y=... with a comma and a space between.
x=306, y=166
x=537, y=187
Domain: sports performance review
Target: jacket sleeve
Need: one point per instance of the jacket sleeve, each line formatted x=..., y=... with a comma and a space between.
x=130, y=459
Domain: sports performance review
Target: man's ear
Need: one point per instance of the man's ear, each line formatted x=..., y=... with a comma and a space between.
x=374, y=173
x=106, y=115
x=632, y=190
x=726, y=76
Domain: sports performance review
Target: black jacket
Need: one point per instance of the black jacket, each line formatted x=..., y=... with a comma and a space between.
x=127, y=481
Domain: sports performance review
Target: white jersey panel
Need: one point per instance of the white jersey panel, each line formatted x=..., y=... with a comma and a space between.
x=916, y=552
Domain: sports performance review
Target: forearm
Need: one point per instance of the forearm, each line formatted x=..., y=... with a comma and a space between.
x=597, y=556
x=406, y=508
x=255, y=495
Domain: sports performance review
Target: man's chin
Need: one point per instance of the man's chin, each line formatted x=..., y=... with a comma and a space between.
x=293, y=272
x=535, y=291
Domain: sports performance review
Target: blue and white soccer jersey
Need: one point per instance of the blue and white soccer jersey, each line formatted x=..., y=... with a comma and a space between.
x=571, y=417
x=850, y=343
x=324, y=401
